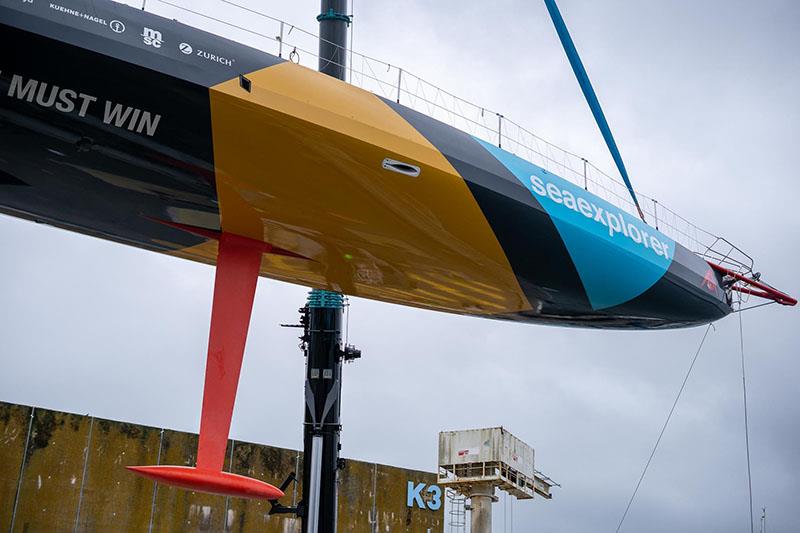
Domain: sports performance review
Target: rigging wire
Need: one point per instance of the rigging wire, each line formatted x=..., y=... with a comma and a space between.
x=746, y=428
x=664, y=428
x=754, y=306
x=352, y=33
x=347, y=321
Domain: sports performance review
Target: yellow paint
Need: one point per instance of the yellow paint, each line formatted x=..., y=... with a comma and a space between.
x=298, y=164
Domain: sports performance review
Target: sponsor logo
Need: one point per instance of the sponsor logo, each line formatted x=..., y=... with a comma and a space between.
x=70, y=101
x=77, y=13
x=615, y=223
x=208, y=56
x=117, y=26
x=616, y=256
x=188, y=49
x=152, y=37
x=710, y=282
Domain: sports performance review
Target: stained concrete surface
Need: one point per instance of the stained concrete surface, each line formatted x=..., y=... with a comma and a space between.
x=65, y=472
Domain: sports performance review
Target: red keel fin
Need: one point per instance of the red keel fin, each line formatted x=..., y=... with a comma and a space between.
x=238, y=264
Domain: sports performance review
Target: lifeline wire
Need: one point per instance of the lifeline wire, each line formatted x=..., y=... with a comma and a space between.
x=746, y=428
x=664, y=428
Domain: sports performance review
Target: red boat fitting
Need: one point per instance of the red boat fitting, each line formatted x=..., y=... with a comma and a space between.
x=754, y=287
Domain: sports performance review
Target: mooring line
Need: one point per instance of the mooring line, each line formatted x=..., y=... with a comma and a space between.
x=664, y=428
x=746, y=427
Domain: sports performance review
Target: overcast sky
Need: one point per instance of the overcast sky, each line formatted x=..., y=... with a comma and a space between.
x=702, y=98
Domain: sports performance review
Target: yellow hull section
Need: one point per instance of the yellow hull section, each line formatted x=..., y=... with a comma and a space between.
x=299, y=165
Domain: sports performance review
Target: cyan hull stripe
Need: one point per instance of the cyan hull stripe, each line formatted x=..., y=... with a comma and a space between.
x=617, y=256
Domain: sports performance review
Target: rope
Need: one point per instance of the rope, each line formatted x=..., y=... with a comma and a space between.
x=746, y=428
x=663, y=429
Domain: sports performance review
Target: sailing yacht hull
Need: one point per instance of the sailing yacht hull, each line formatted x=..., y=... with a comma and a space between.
x=126, y=126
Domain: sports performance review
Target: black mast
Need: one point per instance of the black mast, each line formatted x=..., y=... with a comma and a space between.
x=322, y=342
x=333, y=25
x=322, y=318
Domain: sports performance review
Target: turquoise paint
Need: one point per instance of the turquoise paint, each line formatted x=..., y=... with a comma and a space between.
x=318, y=298
x=600, y=238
